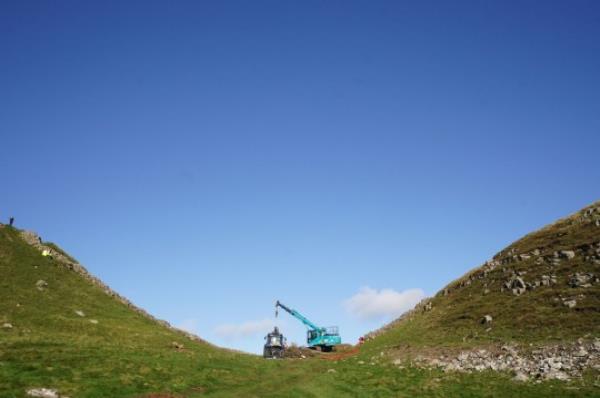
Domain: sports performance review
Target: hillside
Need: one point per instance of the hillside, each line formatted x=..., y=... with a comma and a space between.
x=63, y=329
x=543, y=289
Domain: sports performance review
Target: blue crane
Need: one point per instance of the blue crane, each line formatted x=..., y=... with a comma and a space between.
x=323, y=337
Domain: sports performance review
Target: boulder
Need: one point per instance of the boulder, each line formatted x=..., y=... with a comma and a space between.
x=177, y=346
x=581, y=280
x=521, y=377
x=42, y=393
x=568, y=254
x=41, y=285
x=7, y=325
x=570, y=303
x=517, y=286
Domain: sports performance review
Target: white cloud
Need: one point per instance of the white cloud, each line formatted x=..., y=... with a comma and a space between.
x=232, y=331
x=371, y=303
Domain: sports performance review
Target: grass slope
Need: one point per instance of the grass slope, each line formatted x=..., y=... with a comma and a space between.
x=126, y=354
x=536, y=316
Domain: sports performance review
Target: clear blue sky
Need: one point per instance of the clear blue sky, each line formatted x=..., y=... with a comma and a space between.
x=207, y=158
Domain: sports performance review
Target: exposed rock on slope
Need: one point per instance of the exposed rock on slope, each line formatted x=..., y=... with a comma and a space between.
x=543, y=289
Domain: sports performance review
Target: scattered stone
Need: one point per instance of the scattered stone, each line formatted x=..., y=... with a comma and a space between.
x=570, y=303
x=568, y=254
x=361, y=362
x=177, y=346
x=41, y=285
x=331, y=371
x=517, y=286
x=428, y=306
x=94, y=321
x=7, y=325
x=558, y=362
x=42, y=393
x=486, y=319
x=581, y=352
x=80, y=313
x=581, y=280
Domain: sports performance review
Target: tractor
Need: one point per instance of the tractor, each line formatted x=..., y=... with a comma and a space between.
x=274, y=345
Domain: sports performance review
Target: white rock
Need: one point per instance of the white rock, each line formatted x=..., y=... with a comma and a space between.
x=80, y=313
x=41, y=284
x=95, y=322
x=570, y=303
x=7, y=325
x=569, y=254
x=42, y=393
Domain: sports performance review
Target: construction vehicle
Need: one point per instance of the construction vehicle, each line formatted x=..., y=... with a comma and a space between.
x=324, y=338
x=274, y=344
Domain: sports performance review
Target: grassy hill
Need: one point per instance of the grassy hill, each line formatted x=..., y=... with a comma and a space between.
x=61, y=328
x=548, y=263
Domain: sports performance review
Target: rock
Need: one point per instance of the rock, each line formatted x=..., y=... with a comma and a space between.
x=80, y=313
x=581, y=280
x=520, y=377
x=331, y=371
x=555, y=374
x=517, y=285
x=570, y=303
x=568, y=254
x=428, y=306
x=41, y=285
x=94, y=321
x=581, y=352
x=7, y=325
x=361, y=362
x=486, y=291
x=177, y=346
x=42, y=393
x=486, y=319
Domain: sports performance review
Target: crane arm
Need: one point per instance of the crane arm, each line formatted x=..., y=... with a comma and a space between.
x=298, y=316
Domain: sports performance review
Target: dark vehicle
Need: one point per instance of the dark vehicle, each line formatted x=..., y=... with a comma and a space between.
x=274, y=345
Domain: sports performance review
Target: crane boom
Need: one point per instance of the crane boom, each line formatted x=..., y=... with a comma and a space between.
x=298, y=316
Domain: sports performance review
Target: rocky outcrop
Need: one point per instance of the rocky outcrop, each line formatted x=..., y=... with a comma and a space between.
x=560, y=362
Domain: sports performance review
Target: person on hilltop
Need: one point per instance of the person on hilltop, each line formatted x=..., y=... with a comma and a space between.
x=11, y=221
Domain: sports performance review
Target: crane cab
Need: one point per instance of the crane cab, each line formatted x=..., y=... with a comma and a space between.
x=325, y=338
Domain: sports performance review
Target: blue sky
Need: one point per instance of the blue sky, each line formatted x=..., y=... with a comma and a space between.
x=205, y=159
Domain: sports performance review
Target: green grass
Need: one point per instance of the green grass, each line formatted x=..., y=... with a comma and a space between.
x=535, y=317
x=129, y=355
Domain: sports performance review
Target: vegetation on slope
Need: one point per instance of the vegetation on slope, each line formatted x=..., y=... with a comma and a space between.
x=67, y=333
x=547, y=262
